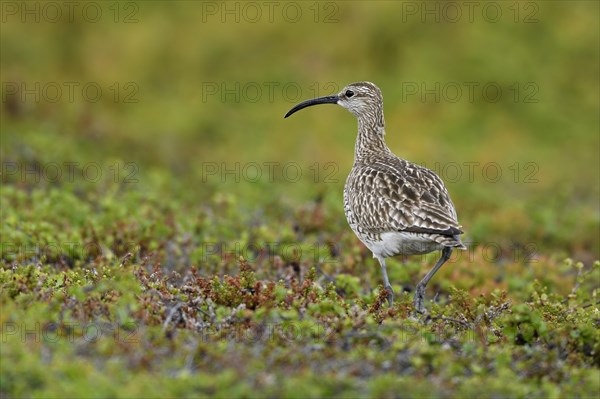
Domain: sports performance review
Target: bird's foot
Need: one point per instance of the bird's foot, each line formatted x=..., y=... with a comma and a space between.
x=419, y=299
x=390, y=291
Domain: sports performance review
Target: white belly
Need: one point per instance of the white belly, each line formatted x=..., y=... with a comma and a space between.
x=400, y=243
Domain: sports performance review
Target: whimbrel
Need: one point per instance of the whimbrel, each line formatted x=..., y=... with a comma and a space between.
x=393, y=206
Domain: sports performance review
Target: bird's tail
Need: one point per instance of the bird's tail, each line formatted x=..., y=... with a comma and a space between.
x=450, y=241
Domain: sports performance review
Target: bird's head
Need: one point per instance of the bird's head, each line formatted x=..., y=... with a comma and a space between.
x=363, y=99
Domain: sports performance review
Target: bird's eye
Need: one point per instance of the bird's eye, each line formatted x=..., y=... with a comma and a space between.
x=349, y=93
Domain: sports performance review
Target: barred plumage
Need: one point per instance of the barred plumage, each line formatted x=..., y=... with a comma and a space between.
x=393, y=206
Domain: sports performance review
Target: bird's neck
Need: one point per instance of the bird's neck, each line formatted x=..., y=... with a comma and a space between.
x=371, y=137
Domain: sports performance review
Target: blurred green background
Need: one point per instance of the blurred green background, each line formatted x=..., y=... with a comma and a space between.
x=190, y=90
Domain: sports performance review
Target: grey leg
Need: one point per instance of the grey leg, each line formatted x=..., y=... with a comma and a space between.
x=420, y=288
x=386, y=281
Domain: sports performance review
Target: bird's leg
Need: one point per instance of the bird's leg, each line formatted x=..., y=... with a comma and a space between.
x=386, y=281
x=420, y=288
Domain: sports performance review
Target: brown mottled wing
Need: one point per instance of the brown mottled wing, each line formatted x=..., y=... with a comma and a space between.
x=396, y=195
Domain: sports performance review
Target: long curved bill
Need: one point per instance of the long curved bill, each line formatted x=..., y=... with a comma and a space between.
x=314, y=101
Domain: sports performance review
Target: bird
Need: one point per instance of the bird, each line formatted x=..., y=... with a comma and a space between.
x=393, y=206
